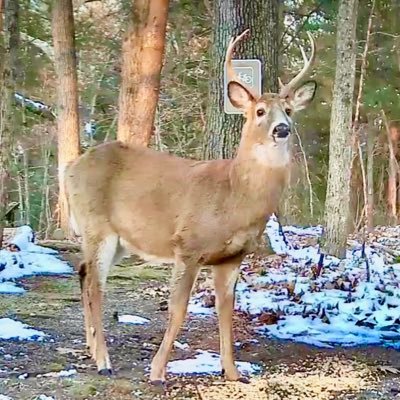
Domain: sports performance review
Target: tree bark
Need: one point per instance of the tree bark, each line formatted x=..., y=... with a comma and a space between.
x=8, y=66
x=340, y=146
x=142, y=56
x=67, y=97
x=232, y=17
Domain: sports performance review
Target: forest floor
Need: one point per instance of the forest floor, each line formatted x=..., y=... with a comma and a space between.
x=289, y=370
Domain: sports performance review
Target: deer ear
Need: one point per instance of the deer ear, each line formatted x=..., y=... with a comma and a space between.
x=303, y=96
x=239, y=96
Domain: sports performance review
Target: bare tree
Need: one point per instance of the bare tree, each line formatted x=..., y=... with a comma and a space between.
x=8, y=63
x=231, y=17
x=340, y=146
x=142, y=55
x=67, y=96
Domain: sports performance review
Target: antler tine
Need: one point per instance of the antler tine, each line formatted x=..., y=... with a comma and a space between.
x=286, y=89
x=228, y=61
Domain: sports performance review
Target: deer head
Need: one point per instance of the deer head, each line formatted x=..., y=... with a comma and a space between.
x=269, y=116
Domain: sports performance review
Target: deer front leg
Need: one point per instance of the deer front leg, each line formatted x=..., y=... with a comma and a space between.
x=183, y=278
x=225, y=278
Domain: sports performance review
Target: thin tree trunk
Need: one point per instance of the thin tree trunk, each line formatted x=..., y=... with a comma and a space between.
x=340, y=147
x=370, y=176
x=392, y=137
x=67, y=97
x=142, y=56
x=18, y=180
x=8, y=66
x=1, y=15
x=231, y=18
x=45, y=182
x=25, y=162
x=395, y=30
x=357, y=131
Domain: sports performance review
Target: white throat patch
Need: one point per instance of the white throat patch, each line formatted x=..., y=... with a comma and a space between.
x=273, y=154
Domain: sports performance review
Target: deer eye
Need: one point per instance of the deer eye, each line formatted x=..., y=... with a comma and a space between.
x=260, y=112
x=288, y=111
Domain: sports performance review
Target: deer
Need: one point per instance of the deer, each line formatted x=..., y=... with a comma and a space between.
x=127, y=199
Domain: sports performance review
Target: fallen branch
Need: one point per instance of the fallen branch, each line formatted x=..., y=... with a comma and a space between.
x=60, y=245
x=34, y=105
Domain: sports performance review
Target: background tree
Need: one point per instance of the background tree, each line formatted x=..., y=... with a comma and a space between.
x=340, y=144
x=8, y=71
x=67, y=96
x=142, y=56
x=232, y=17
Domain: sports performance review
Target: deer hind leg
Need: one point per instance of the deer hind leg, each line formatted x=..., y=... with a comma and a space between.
x=98, y=262
x=183, y=279
x=85, y=301
x=225, y=278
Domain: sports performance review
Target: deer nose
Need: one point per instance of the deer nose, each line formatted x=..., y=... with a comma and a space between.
x=281, y=131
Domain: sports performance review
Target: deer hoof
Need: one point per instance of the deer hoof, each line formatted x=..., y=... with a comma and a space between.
x=105, y=372
x=159, y=383
x=235, y=376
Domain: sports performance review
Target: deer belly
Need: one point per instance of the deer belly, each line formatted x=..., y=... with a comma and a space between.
x=240, y=243
x=160, y=256
x=244, y=241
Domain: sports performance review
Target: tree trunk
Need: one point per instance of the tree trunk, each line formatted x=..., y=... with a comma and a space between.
x=67, y=97
x=8, y=64
x=393, y=135
x=232, y=17
x=370, y=176
x=142, y=56
x=340, y=147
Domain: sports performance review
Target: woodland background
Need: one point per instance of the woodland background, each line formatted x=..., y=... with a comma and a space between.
x=181, y=124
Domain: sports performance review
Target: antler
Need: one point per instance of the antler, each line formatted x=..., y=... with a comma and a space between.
x=289, y=87
x=228, y=62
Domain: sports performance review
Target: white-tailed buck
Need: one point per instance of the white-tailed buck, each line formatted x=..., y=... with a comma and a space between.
x=127, y=199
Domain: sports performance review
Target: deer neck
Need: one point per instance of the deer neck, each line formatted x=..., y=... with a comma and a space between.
x=260, y=172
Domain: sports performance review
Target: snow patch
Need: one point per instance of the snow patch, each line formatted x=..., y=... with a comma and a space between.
x=30, y=260
x=60, y=374
x=206, y=362
x=132, y=319
x=10, y=288
x=10, y=329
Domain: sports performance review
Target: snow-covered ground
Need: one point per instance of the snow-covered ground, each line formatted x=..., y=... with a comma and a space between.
x=30, y=260
x=320, y=300
x=298, y=295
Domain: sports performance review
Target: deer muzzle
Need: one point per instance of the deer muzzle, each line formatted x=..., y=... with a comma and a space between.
x=281, y=131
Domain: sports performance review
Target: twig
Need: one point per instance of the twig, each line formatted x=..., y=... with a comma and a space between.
x=364, y=256
x=298, y=30
x=112, y=126
x=201, y=395
x=310, y=188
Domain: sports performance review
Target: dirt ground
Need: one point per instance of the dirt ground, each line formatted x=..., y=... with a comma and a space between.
x=289, y=370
